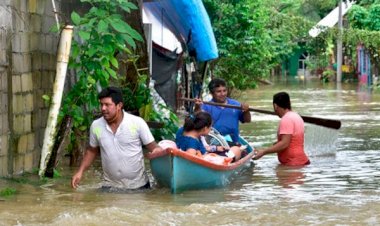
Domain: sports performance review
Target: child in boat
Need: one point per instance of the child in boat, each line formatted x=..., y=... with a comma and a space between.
x=197, y=125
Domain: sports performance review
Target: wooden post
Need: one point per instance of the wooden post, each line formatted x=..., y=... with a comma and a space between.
x=62, y=62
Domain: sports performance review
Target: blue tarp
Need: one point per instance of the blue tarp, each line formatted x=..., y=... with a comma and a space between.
x=190, y=23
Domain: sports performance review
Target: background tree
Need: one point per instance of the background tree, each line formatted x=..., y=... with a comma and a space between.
x=364, y=19
x=254, y=37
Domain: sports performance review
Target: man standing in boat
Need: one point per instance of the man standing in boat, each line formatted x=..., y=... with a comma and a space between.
x=290, y=135
x=118, y=137
x=225, y=120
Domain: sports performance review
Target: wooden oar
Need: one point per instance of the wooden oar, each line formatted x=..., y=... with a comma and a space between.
x=330, y=123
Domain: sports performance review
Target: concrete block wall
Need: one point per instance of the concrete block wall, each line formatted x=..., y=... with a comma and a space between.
x=27, y=69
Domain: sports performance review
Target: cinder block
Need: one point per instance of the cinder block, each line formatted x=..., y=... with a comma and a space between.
x=28, y=162
x=31, y=142
x=46, y=80
x=16, y=84
x=44, y=116
x=26, y=82
x=28, y=123
x=24, y=42
x=18, y=164
x=24, y=23
x=36, y=157
x=36, y=61
x=39, y=134
x=23, y=6
x=42, y=43
x=29, y=102
x=48, y=22
x=3, y=38
x=22, y=144
x=17, y=22
x=41, y=7
x=16, y=4
x=45, y=58
x=27, y=67
x=3, y=60
x=5, y=16
x=53, y=65
x=38, y=101
x=3, y=165
x=4, y=102
x=50, y=41
x=4, y=144
x=37, y=80
x=18, y=124
x=34, y=40
x=32, y=7
x=16, y=42
x=4, y=81
x=5, y=124
x=18, y=61
x=36, y=120
x=49, y=11
x=18, y=104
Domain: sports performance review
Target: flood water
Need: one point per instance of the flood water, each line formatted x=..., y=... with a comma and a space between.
x=339, y=187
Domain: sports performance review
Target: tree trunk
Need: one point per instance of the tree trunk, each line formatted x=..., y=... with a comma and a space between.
x=50, y=131
x=141, y=65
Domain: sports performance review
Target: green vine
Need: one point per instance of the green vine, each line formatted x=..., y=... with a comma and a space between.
x=103, y=35
x=6, y=192
x=102, y=40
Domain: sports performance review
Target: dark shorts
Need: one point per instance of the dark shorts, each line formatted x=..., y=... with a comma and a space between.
x=110, y=189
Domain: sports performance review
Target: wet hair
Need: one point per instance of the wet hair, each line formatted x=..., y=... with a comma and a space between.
x=113, y=92
x=282, y=99
x=215, y=83
x=198, y=121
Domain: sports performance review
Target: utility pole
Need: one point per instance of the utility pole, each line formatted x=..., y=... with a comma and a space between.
x=339, y=45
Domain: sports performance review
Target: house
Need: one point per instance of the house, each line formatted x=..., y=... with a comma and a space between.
x=181, y=42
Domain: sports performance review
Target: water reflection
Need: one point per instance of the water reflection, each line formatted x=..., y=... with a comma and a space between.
x=289, y=177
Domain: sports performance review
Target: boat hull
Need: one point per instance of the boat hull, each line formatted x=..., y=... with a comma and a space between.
x=181, y=171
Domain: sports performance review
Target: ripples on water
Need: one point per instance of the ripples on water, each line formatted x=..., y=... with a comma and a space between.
x=339, y=187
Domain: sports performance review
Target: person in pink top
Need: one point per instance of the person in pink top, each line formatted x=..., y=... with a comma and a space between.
x=290, y=135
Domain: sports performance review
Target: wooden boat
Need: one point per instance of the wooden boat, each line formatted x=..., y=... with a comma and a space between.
x=181, y=171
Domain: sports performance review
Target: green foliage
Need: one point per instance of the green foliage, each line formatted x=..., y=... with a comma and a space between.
x=56, y=174
x=374, y=17
x=6, y=192
x=365, y=23
x=46, y=99
x=253, y=37
x=136, y=95
x=170, y=124
x=358, y=17
x=101, y=36
x=328, y=75
x=240, y=34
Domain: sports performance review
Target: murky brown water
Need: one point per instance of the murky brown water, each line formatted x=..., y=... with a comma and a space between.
x=340, y=187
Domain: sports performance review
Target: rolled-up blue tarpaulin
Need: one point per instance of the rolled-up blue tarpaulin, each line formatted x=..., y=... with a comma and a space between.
x=189, y=22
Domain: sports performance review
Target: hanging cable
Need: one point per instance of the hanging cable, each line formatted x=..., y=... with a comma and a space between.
x=55, y=13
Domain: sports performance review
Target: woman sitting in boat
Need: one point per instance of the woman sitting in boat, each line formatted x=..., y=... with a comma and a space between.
x=188, y=137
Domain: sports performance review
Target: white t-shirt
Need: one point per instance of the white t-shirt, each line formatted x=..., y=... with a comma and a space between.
x=121, y=153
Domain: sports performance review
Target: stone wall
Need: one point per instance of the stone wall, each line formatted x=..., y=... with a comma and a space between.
x=27, y=71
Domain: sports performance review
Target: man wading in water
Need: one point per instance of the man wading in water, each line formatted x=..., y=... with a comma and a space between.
x=290, y=135
x=118, y=137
